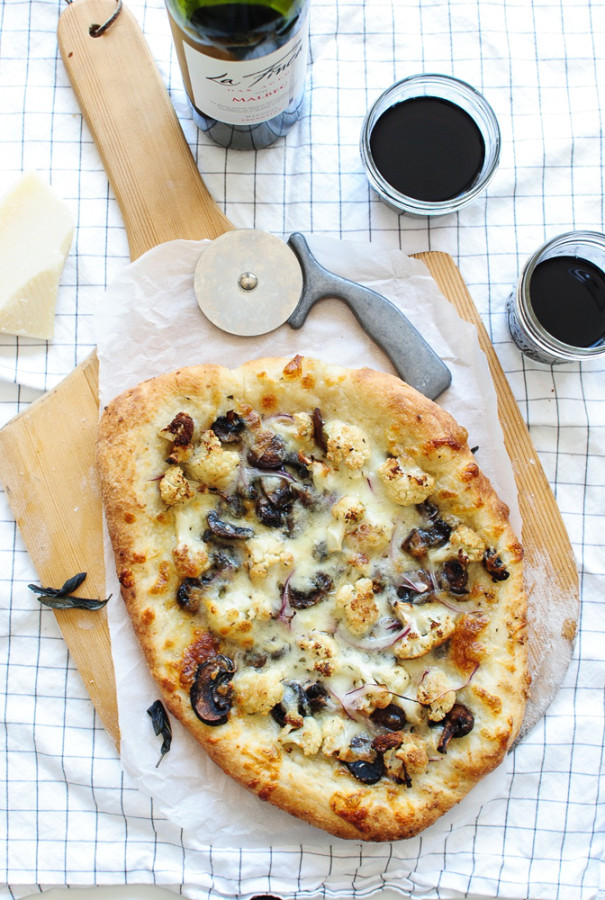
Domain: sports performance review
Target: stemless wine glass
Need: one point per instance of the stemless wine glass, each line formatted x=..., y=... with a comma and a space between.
x=583, y=254
x=454, y=92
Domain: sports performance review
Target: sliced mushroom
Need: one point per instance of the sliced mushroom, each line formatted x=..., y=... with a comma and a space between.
x=420, y=540
x=211, y=691
x=316, y=695
x=365, y=771
x=275, y=499
x=268, y=451
x=319, y=434
x=494, y=565
x=458, y=722
x=229, y=428
x=293, y=706
x=226, y=530
x=320, y=585
x=298, y=701
x=455, y=577
x=189, y=594
x=391, y=717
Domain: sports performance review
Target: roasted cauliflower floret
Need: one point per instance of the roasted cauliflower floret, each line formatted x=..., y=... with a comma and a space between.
x=405, y=482
x=347, y=444
x=369, y=697
x=257, y=691
x=308, y=737
x=337, y=735
x=265, y=552
x=348, y=509
x=409, y=758
x=394, y=677
x=211, y=464
x=435, y=691
x=467, y=544
x=322, y=650
x=428, y=629
x=370, y=535
x=174, y=487
x=235, y=619
x=180, y=433
x=357, y=605
x=303, y=424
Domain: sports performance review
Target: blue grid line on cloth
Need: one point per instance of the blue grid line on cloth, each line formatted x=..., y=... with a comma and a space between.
x=541, y=67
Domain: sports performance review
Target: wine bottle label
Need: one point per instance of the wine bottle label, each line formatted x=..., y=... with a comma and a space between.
x=249, y=91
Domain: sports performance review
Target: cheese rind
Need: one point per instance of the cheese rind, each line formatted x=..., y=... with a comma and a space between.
x=36, y=230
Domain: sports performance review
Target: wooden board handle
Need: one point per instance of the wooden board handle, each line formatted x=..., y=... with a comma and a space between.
x=135, y=128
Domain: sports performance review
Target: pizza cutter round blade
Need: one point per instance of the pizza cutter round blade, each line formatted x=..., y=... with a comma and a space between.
x=249, y=282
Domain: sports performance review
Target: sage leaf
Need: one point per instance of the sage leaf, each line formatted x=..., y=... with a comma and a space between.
x=62, y=598
x=161, y=725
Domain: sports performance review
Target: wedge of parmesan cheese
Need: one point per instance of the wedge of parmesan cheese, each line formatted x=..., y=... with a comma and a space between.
x=36, y=230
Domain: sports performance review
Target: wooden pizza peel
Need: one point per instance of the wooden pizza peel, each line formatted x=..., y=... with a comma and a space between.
x=47, y=453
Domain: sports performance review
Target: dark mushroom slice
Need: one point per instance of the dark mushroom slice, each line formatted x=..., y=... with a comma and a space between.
x=229, y=428
x=455, y=577
x=367, y=772
x=211, y=690
x=226, y=530
x=275, y=499
x=428, y=510
x=300, y=463
x=317, y=696
x=458, y=722
x=320, y=586
x=256, y=659
x=391, y=717
x=189, y=594
x=267, y=513
x=293, y=706
x=299, y=701
x=319, y=433
x=494, y=565
x=191, y=591
x=268, y=451
x=420, y=540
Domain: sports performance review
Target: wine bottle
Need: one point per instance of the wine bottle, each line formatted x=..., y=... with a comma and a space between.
x=243, y=64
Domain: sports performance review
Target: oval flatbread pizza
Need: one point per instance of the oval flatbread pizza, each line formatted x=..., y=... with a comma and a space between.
x=327, y=589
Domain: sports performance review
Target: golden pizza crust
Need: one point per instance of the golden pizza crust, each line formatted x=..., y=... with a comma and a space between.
x=382, y=442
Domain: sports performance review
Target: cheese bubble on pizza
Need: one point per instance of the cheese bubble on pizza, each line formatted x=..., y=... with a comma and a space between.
x=326, y=588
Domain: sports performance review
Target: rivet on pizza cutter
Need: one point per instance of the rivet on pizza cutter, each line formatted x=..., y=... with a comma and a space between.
x=249, y=282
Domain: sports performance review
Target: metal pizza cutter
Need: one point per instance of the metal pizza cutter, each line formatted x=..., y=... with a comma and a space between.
x=249, y=282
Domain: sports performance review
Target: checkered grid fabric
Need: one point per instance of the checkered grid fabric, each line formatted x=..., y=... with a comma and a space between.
x=68, y=814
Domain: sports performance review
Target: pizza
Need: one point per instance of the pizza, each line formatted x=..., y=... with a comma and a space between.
x=326, y=588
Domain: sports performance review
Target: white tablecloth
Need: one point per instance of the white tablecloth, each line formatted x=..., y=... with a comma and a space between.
x=69, y=814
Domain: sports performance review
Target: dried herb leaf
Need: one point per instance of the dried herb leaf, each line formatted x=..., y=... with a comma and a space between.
x=62, y=598
x=161, y=725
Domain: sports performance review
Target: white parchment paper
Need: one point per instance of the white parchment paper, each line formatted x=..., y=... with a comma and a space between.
x=149, y=323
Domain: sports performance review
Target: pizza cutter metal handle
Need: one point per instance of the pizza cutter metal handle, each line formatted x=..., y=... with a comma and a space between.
x=414, y=360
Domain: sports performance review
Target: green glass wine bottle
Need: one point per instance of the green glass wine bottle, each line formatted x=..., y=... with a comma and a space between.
x=243, y=64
